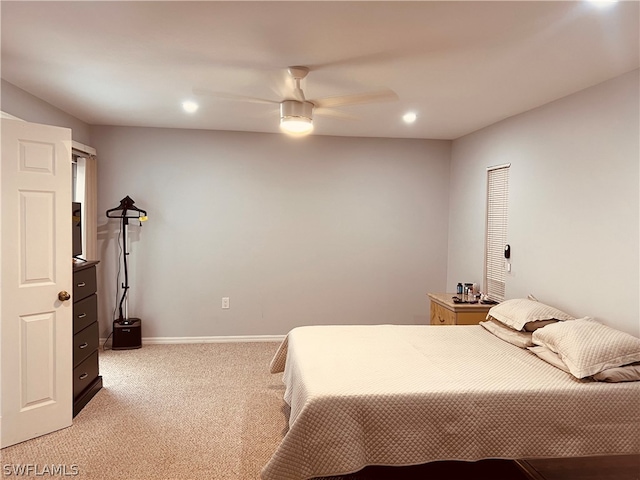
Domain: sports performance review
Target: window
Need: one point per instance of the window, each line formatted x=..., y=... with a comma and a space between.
x=496, y=237
x=85, y=192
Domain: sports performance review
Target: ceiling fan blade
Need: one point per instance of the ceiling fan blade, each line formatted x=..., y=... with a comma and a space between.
x=386, y=95
x=327, y=112
x=232, y=96
x=279, y=84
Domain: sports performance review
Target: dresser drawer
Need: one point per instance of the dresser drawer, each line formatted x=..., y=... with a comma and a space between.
x=85, y=312
x=84, y=283
x=85, y=343
x=85, y=373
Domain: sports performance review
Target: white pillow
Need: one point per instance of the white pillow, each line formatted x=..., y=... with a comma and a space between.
x=626, y=373
x=533, y=326
x=514, y=337
x=588, y=347
x=519, y=311
x=550, y=357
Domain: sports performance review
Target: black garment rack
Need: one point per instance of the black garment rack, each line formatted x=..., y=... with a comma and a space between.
x=124, y=212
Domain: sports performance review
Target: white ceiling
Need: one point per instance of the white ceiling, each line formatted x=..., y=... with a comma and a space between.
x=459, y=65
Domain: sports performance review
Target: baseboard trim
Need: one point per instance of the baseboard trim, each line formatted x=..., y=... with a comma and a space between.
x=216, y=339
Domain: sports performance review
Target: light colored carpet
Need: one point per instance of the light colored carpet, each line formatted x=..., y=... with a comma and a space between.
x=197, y=411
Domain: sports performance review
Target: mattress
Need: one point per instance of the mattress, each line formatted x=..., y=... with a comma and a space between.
x=406, y=395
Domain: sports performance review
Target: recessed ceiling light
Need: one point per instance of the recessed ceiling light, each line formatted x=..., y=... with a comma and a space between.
x=190, y=106
x=603, y=3
x=409, y=117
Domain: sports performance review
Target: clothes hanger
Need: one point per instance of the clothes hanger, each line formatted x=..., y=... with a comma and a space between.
x=126, y=205
x=125, y=208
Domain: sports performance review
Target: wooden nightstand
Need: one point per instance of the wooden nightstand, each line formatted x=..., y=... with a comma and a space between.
x=445, y=312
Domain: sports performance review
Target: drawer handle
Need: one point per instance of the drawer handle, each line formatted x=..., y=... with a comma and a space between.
x=82, y=284
x=83, y=376
x=82, y=315
x=84, y=345
x=441, y=320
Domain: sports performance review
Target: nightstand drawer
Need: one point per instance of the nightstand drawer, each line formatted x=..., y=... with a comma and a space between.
x=441, y=316
x=85, y=373
x=85, y=343
x=85, y=312
x=84, y=283
x=471, y=318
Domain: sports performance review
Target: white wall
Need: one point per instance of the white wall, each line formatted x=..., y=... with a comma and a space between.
x=25, y=106
x=317, y=230
x=573, y=202
x=573, y=220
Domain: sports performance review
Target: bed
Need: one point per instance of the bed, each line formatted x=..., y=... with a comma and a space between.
x=407, y=395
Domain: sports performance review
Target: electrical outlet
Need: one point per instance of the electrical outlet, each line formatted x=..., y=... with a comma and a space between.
x=225, y=302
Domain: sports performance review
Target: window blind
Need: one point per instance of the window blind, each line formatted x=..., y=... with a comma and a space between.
x=496, y=237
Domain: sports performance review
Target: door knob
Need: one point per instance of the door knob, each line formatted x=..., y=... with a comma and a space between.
x=63, y=295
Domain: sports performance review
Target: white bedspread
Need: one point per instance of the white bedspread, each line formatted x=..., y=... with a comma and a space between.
x=402, y=395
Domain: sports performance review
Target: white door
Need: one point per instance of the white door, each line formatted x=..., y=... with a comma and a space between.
x=36, y=392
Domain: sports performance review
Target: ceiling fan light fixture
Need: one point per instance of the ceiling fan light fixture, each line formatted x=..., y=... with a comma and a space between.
x=296, y=117
x=296, y=126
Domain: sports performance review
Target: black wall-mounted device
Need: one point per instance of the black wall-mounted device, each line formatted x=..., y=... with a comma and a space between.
x=507, y=251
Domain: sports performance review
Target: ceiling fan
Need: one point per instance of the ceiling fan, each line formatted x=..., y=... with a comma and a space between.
x=296, y=111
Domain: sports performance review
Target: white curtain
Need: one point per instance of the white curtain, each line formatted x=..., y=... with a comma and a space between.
x=86, y=192
x=91, y=202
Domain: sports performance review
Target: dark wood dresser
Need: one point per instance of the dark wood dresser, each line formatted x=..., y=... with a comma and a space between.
x=86, y=380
